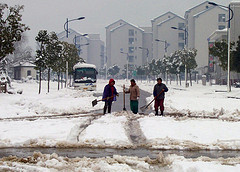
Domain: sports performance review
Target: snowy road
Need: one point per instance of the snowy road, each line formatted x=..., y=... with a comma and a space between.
x=64, y=122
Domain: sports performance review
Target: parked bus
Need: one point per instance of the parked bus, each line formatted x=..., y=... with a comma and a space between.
x=85, y=76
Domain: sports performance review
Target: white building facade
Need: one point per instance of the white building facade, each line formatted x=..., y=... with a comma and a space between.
x=167, y=40
x=127, y=38
x=201, y=21
x=235, y=22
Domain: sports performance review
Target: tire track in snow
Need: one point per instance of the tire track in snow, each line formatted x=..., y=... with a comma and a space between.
x=133, y=130
x=83, y=126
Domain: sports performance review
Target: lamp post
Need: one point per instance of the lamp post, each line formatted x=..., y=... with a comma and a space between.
x=230, y=17
x=165, y=44
x=127, y=62
x=79, y=47
x=165, y=54
x=75, y=42
x=186, y=46
x=65, y=26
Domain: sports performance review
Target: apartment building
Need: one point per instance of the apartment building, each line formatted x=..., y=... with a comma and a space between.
x=201, y=21
x=219, y=35
x=235, y=22
x=165, y=39
x=155, y=29
x=124, y=37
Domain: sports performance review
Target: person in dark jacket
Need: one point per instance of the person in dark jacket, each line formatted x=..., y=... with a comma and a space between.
x=109, y=95
x=159, y=91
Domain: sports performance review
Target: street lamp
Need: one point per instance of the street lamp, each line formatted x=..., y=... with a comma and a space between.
x=186, y=46
x=78, y=45
x=166, y=45
x=66, y=24
x=127, y=62
x=165, y=49
x=230, y=17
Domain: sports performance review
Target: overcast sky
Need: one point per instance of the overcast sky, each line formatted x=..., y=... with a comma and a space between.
x=51, y=14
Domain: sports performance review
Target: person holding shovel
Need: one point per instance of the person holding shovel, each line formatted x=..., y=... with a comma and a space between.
x=109, y=95
x=134, y=96
x=159, y=94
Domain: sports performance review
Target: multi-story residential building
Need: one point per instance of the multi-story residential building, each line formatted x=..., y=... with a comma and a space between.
x=108, y=39
x=127, y=38
x=155, y=29
x=169, y=40
x=90, y=47
x=235, y=22
x=213, y=67
x=201, y=21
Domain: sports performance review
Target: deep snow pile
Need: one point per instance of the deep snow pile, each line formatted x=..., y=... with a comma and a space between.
x=45, y=162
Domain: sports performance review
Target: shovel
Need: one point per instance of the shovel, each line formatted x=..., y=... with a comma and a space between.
x=143, y=108
x=94, y=102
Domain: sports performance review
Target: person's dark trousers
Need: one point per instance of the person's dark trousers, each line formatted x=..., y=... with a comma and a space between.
x=134, y=106
x=108, y=105
x=157, y=104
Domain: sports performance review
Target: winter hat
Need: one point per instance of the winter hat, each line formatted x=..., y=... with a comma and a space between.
x=111, y=80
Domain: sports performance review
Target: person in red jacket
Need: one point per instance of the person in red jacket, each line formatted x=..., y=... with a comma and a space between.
x=109, y=95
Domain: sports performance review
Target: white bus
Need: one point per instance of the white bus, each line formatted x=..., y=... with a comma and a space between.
x=85, y=76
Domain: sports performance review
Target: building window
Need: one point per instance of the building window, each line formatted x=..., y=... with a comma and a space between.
x=135, y=32
x=135, y=57
x=180, y=46
x=221, y=27
x=131, y=59
x=180, y=25
x=131, y=32
x=221, y=18
x=130, y=40
x=29, y=73
x=130, y=49
x=135, y=39
x=180, y=36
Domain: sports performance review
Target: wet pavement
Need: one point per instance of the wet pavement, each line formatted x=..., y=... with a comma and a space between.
x=98, y=152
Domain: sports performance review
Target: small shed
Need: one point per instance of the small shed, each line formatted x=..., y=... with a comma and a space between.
x=24, y=70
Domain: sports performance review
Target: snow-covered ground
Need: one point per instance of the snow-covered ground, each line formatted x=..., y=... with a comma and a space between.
x=117, y=130
x=45, y=162
x=114, y=130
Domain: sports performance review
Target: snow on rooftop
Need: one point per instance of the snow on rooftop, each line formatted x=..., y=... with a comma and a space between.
x=83, y=65
x=25, y=64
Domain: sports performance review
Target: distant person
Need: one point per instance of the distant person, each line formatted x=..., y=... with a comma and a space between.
x=109, y=95
x=134, y=96
x=159, y=92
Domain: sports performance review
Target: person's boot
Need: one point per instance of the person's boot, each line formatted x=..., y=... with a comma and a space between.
x=156, y=113
x=104, y=110
x=161, y=113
